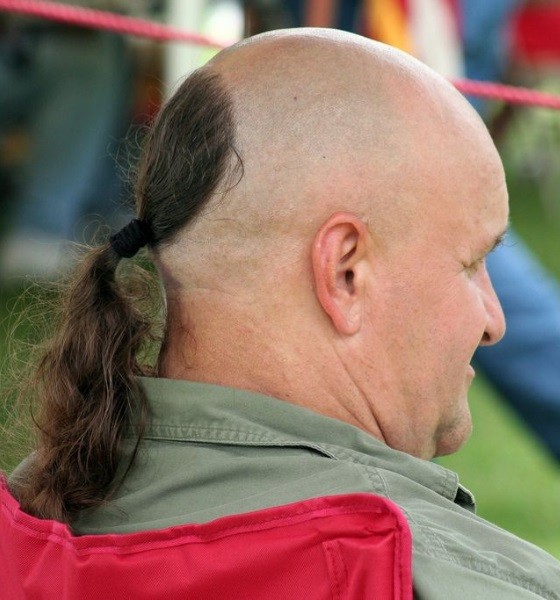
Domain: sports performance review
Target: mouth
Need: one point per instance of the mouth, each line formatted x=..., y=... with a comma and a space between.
x=471, y=372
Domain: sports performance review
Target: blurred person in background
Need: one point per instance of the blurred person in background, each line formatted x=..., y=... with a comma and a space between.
x=525, y=366
x=70, y=90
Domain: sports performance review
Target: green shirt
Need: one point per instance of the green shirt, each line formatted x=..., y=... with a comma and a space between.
x=211, y=451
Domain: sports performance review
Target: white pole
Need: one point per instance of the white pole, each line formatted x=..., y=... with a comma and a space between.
x=180, y=59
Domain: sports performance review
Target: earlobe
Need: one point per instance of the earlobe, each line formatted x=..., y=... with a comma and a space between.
x=338, y=259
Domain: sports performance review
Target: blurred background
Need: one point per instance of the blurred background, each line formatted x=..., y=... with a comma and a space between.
x=74, y=105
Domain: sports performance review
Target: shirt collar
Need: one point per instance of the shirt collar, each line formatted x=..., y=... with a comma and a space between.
x=202, y=412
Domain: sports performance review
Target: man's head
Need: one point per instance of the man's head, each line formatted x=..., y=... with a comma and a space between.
x=336, y=258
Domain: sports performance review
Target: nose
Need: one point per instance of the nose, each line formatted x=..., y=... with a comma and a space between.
x=495, y=319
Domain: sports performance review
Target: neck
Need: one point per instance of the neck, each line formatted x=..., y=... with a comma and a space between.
x=276, y=362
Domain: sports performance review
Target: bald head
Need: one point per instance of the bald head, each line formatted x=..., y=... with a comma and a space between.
x=340, y=260
x=326, y=121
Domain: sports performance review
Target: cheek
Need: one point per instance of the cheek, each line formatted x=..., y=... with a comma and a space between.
x=461, y=304
x=448, y=323
x=427, y=321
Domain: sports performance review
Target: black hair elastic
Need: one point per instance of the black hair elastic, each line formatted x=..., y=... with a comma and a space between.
x=131, y=238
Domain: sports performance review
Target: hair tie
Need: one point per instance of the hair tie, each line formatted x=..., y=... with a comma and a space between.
x=131, y=238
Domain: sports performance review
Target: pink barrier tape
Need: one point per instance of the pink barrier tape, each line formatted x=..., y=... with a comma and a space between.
x=507, y=93
x=97, y=19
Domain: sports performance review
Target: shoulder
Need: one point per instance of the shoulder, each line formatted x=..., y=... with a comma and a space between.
x=460, y=555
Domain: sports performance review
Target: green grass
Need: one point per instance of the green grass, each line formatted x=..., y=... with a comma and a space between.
x=537, y=225
x=16, y=324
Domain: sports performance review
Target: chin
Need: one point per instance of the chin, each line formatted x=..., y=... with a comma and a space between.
x=454, y=437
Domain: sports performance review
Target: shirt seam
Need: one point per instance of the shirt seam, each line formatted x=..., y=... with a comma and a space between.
x=204, y=435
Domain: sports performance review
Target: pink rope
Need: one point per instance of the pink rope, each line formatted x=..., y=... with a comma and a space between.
x=507, y=93
x=97, y=19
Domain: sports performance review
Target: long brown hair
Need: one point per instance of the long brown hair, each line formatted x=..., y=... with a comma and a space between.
x=85, y=383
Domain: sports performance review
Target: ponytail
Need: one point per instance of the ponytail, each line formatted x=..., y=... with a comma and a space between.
x=86, y=382
x=86, y=379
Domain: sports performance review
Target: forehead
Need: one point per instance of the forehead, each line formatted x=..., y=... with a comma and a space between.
x=459, y=191
x=477, y=207
x=466, y=167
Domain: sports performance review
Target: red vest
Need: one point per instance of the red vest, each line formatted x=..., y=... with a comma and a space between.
x=352, y=547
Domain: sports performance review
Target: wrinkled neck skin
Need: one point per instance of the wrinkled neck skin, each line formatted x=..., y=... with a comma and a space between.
x=231, y=344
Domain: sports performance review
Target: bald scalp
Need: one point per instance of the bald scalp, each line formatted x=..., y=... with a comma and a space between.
x=325, y=121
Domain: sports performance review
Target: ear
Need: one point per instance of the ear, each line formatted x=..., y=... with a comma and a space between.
x=339, y=260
